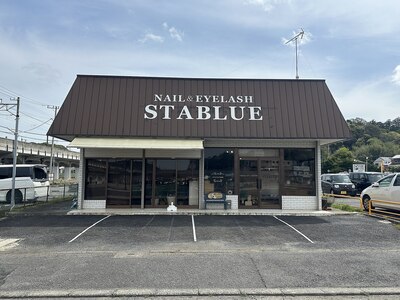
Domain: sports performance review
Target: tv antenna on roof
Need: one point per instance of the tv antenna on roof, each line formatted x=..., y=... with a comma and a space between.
x=295, y=38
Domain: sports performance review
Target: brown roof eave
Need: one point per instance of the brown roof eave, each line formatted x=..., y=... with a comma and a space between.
x=100, y=105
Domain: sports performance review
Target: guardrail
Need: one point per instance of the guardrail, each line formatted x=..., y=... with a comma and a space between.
x=387, y=213
x=392, y=214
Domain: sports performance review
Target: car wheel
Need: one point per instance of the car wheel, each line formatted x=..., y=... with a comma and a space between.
x=365, y=202
x=18, y=196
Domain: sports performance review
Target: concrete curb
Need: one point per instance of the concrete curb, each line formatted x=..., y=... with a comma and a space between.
x=49, y=209
x=198, y=212
x=120, y=292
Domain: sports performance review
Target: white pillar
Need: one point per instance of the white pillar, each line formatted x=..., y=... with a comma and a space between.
x=81, y=179
x=67, y=173
x=56, y=170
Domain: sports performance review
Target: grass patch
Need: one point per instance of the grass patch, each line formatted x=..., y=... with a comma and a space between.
x=51, y=201
x=397, y=226
x=21, y=207
x=346, y=207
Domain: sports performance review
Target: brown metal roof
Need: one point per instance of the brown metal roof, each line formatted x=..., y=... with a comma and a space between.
x=116, y=106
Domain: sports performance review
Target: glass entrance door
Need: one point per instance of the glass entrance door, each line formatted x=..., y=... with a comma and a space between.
x=269, y=183
x=165, y=182
x=119, y=182
x=259, y=183
x=124, y=182
x=249, y=193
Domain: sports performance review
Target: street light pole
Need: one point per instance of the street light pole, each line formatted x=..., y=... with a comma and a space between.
x=366, y=164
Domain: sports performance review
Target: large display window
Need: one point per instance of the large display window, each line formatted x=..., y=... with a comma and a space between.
x=95, y=179
x=299, y=172
x=219, y=170
x=118, y=181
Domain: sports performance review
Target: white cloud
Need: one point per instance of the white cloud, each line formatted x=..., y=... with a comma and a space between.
x=396, y=75
x=375, y=99
x=152, y=38
x=266, y=5
x=173, y=32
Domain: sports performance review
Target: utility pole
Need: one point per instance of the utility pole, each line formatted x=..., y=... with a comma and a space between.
x=7, y=107
x=52, y=142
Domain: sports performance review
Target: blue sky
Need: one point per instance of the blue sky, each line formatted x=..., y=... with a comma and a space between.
x=44, y=44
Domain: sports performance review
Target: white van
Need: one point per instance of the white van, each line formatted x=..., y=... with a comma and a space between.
x=31, y=182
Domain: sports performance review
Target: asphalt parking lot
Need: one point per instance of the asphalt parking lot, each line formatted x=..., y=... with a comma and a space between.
x=184, y=251
x=120, y=232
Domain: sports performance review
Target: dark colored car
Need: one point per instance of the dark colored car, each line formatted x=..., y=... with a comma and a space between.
x=339, y=184
x=362, y=180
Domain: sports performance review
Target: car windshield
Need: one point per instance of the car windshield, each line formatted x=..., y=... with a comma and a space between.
x=341, y=179
x=375, y=177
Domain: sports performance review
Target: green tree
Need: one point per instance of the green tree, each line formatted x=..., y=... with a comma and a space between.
x=369, y=139
x=340, y=161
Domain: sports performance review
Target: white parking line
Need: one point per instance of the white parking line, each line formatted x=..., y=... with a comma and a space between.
x=194, y=230
x=295, y=229
x=89, y=228
x=6, y=244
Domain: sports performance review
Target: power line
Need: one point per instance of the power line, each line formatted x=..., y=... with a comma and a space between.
x=25, y=137
x=7, y=132
x=27, y=131
x=26, y=115
x=33, y=124
x=33, y=133
x=14, y=94
x=31, y=138
x=6, y=93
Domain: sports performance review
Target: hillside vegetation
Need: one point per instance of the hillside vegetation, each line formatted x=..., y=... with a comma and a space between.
x=370, y=140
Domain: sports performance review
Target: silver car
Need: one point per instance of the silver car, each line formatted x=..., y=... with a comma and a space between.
x=386, y=189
